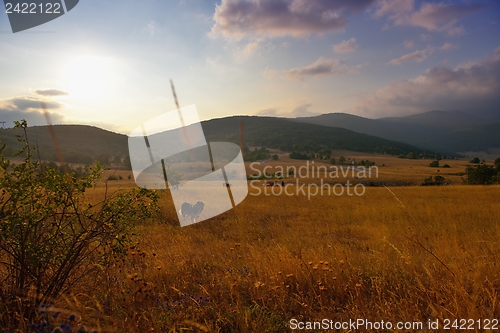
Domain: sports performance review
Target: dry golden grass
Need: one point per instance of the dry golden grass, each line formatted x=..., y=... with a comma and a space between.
x=390, y=168
x=429, y=253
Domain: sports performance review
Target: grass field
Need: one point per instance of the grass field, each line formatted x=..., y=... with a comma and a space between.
x=398, y=254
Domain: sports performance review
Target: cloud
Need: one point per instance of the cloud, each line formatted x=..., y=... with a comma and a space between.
x=425, y=37
x=320, y=68
x=51, y=92
x=346, y=46
x=152, y=28
x=212, y=62
x=302, y=111
x=34, y=118
x=473, y=86
x=240, y=55
x=418, y=56
x=421, y=55
x=28, y=104
x=270, y=73
x=409, y=44
x=441, y=17
x=28, y=108
x=271, y=112
x=235, y=19
x=448, y=46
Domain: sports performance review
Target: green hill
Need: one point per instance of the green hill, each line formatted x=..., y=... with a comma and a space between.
x=288, y=135
x=78, y=143
x=84, y=144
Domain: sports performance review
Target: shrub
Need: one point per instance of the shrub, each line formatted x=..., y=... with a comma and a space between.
x=51, y=239
x=299, y=156
x=481, y=174
x=438, y=180
x=434, y=164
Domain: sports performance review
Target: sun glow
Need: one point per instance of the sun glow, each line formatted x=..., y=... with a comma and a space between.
x=88, y=76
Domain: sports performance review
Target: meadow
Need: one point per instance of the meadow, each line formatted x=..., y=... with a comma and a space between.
x=398, y=254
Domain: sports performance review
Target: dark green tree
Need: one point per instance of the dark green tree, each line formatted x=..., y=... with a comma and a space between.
x=481, y=174
x=496, y=164
x=439, y=180
x=434, y=164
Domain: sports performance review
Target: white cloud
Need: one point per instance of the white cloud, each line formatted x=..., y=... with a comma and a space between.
x=320, y=68
x=409, y=44
x=418, y=56
x=152, y=28
x=441, y=17
x=448, y=46
x=271, y=112
x=302, y=110
x=346, y=46
x=241, y=55
x=213, y=62
x=421, y=55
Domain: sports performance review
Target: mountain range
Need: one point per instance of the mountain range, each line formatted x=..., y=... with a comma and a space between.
x=436, y=131
x=446, y=132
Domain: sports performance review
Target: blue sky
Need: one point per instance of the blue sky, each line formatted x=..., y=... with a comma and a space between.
x=108, y=63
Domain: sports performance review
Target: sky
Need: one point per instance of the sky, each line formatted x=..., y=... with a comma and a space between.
x=108, y=63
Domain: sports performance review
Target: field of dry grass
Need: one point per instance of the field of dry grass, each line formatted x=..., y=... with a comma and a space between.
x=408, y=254
x=390, y=168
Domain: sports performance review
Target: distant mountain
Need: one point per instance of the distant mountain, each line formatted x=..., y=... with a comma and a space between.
x=290, y=135
x=446, y=132
x=455, y=119
x=84, y=144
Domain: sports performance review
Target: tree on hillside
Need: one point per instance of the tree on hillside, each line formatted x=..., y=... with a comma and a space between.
x=475, y=160
x=261, y=153
x=480, y=174
x=497, y=164
x=298, y=156
x=366, y=163
x=126, y=162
